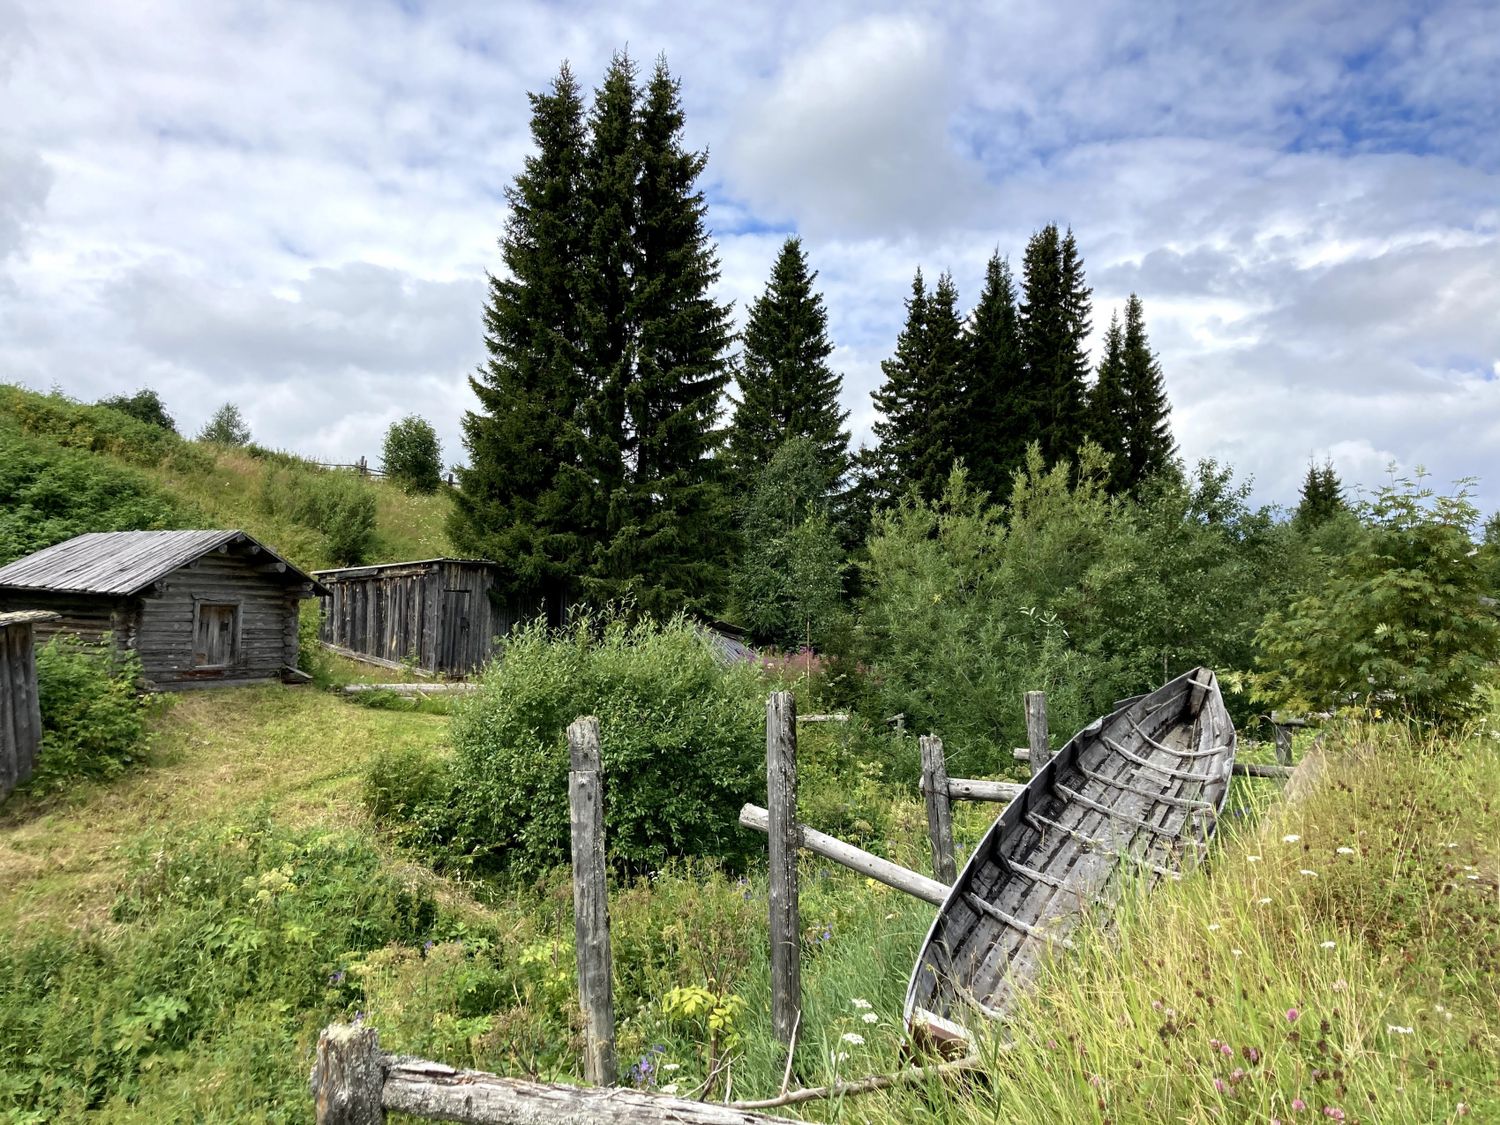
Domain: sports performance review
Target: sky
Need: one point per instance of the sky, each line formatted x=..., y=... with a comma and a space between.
x=294, y=206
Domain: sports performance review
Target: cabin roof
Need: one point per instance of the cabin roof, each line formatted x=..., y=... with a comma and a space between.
x=122, y=563
x=374, y=570
x=26, y=617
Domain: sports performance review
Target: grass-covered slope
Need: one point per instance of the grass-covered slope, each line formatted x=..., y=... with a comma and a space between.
x=69, y=467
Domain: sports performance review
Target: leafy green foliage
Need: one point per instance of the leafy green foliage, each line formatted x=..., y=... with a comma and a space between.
x=49, y=493
x=338, y=505
x=144, y=406
x=93, y=717
x=1399, y=624
x=61, y=421
x=412, y=457
x=788, y=582
x=226, y=427
x=682, y=738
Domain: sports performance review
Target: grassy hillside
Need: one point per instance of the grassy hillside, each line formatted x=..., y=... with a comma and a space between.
x=170, y=944
x=68, y=467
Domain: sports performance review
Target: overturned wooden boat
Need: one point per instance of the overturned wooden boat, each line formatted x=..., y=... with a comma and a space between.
x=1132, y=798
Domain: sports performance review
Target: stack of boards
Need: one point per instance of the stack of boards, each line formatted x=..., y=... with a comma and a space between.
x=1132, y=799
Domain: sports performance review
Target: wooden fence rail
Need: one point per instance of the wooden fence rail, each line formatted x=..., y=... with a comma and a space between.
x=20, y=709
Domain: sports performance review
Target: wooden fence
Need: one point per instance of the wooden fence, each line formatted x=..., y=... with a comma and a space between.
x=20, y=711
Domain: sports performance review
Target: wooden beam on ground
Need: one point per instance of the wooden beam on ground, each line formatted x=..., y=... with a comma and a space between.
x=411, y=689
x=834, y=717
x=1036, y=731
x=939, y=811
x=591, y=902
x=355, y=1083
x=781, y=830
x=1255, y=769
x=855, y=859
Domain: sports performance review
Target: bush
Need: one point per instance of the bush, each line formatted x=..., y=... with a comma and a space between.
x=93, y=718
x=338, y=505
x=412, y=457
x=226, y=427
x=1400, y=624
x=682, y=739
x=144, y=406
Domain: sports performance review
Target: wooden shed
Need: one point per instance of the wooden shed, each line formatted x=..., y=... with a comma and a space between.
x=441, y=616
x=20, y=709
x=200, y=608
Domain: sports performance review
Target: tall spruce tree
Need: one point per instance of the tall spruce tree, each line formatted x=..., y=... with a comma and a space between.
x=513, y=500
x=996, y=408
x=1054, y=317
x=885, y=467
x=787, y=390
x=669, y=544
x=941, y=421
x=1149, y=446
x=1107, y=404
x=1322, y=497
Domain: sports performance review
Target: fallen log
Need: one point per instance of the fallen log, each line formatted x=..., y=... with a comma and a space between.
x=411, y=689
x=974, y=789
x=1255, y=769
x=856, y=859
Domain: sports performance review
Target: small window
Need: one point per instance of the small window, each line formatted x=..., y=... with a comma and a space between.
x=216, y=638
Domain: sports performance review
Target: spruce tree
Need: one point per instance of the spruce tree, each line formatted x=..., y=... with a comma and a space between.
x=941, y=419
x=1148, y=430
x=1322, y=497
x=1054, y=318
x=885, y=468
x=513, y=502
x=997, y=411
x=787, y=389
x=1107, y=404
x=669, y=542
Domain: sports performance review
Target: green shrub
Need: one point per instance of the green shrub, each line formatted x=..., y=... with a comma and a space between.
x=93, y=718
x=1401, y=623
x=412, y=457
x=682, y=740
x=312, y=657
x=338, y=505
x=401, y=781
x=96, y=429
x=144, y=406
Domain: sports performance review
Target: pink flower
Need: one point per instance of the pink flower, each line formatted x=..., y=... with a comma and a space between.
x=1095, y=1080
x=1334, y=1112
x=1298, y=1104
x=1219, y=1085
x=1226, y=1049
x=1291, y=1015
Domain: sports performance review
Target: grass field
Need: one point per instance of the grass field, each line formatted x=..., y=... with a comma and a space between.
x=173, y=941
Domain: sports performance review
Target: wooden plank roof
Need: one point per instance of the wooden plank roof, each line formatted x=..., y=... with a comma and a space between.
x=26, y=617
x=375, y=570
x=123, y=563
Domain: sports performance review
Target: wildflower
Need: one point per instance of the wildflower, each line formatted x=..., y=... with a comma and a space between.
x=1213, y=926
x=337, y=977
x=837, y=1057
x=1156, y=1005
x=1238, y=952
x=1226, y=1050
x=1339, y=985
x=1329, y=945
x=1298, y=1104
x=1237, y=1076
x=1252, y=859
x=427, y=946
x=1396, y=1029
x=671, y=1066
x=863, y=1005
x=1219, y=1085
x=1252, y=1054
x=1264, y=901
x=853, y=1037
x=669, y=1088
x=1334, y=1112
x=1290, y=838
x=1309, y=874
x=1095, y=1081
x=1291, y=1015
x=870, y=1017
x=1462, y=1109
x=1344, y=851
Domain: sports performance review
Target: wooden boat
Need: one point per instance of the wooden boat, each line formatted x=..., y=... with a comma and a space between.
x=1133, y=797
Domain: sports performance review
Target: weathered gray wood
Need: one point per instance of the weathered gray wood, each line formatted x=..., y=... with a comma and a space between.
x=412, y=689
x=20, y=705
x=1021, y=753
x=348, y=1077
x=1282, y=732
x=1036, y=731
x=591, y=903
x=856, y=859
x=833, y=717
x=781, y=828
x=1254, y=769
x=975, y=789
x=434, y=1091
x=939, y=812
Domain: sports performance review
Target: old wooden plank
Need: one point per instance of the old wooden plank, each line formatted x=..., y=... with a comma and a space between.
x=939, y=812
x=348, y=1077
x=591, y=902
x=1036, y=731
x=781, y=828
x=977, y=789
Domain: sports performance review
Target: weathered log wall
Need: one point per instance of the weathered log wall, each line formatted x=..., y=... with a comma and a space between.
x=20, y=712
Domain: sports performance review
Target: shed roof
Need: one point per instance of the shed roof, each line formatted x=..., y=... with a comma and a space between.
x=123, y=563
x=374, y=570
x=26, y=617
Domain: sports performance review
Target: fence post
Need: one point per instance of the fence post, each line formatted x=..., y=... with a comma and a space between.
x=348, y=1077
x=1036, y=730
x=591, y=903
x=781, y=807
x=1283, y=735
x=939, y=809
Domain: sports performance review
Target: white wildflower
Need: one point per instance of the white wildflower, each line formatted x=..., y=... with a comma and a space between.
x=1329, y=945
x=1344, y=851
x=1395, y=1030
x=671, y=1066
x=1264, y=901
x=1309, y=874
x=669, y=1088
x=1213, y=927
x=1238, y=952
x=854, y=1038
x=1252, y=859
x=862, y=1005
x=1290, y=838
x=870, y=1017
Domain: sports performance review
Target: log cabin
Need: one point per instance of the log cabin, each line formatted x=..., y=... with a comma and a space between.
x=199, y=608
